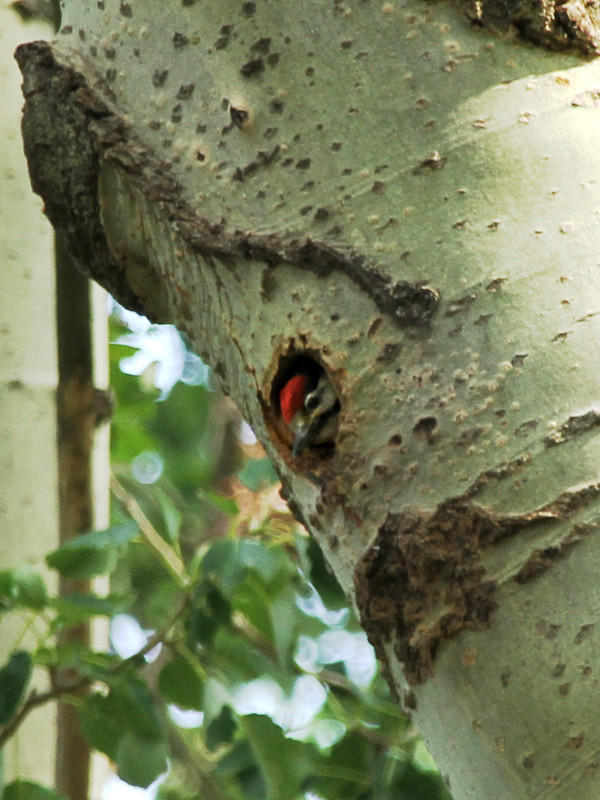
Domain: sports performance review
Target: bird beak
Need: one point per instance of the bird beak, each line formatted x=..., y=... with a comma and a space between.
x=300, y=440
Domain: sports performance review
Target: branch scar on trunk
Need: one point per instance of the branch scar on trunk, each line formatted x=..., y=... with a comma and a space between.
x=423, y=580
x=67, y=123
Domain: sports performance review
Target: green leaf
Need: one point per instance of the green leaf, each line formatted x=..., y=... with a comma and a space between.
x=180, y=683
x=93, y=553
x=221, y=730
x=28, y=790
x=258, y=474
x=116, y=536
x=75, y=608
x=140, y=708
x=170, y=513
x=128, y=709
x=140, y=760
x=210, y=611
x=228, y=560
x=321, y=576
x=14, y=679
x=82, y=563
x=103, y=722
x=220, y=502
x=285, y=763
x=23, y=587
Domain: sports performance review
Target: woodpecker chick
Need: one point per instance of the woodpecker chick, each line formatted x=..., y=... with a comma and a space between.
x=310, y=411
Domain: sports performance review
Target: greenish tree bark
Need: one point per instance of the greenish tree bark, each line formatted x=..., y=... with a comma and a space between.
x=411, y=201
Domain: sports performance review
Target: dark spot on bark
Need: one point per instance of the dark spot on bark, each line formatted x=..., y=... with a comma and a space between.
x=321, y=213
x=395, y=440
x=273, y=59
x=110, y=53
x=529, y=761
x=389, y=353
x=549, y=630
x=505, y=677
x=239, y=116
x=176, y=114
x=409, y=700
x=558, y=670
x=248, y=9
x=303, y=163
x=374, y=327
x=584, y=632
x=186, y=90
x=525, y=428
x=253, y=67
x=495, y=284
x=460, y=306
x=125, y=10
x=180, y=40
x=469, y=435
x=564, y=689
x=262, y=45
x=276, y=106
x=111, y=75
x=519, y=359
x=426, y=427
x=432, y=163
x=378, y=187
x=575, y=742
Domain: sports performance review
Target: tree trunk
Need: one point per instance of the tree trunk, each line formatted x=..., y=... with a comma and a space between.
x=28, y=373
x=411, y=203
x=40, y=447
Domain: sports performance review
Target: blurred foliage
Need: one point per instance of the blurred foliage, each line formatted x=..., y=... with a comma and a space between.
x=249, y=678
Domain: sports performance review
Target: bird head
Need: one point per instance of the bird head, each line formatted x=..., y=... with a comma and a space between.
x=310, y=410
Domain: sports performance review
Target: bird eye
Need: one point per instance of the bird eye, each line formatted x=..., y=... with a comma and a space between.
x=312, y=402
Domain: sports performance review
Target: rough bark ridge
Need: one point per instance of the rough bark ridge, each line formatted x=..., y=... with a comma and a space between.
x=423, y=580
x=555, y=24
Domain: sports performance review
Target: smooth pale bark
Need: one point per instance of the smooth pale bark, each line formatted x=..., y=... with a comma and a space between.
x=28, y=373
x=29, y=508
x=414, y=204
